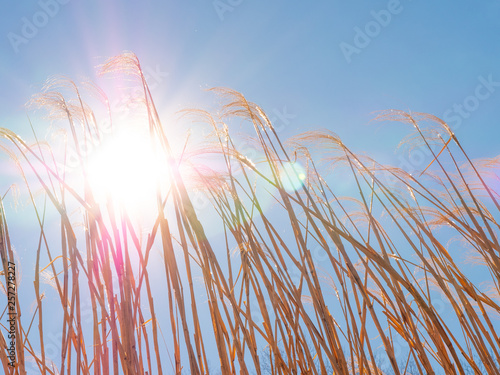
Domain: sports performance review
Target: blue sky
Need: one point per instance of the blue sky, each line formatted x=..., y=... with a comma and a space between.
x=317, y=64
x=426, y=57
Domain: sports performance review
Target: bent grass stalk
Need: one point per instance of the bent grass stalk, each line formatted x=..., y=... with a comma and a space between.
x=273, y=307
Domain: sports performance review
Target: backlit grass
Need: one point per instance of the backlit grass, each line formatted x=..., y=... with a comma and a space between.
x=296, y=278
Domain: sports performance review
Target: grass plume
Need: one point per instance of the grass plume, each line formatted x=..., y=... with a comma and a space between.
x=318, y=283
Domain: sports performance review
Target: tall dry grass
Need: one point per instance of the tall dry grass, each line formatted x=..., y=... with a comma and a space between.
x=320, y=283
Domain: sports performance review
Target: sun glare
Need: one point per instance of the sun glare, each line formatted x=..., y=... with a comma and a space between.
x=293, y=176
x=125, y=169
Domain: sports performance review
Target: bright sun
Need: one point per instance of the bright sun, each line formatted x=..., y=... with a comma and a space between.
x=125, y=169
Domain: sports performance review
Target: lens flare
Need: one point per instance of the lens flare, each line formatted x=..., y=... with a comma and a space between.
x=292, y=176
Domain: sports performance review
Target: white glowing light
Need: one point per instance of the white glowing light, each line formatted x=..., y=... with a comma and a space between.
x=293, y=176
x=126, y=170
